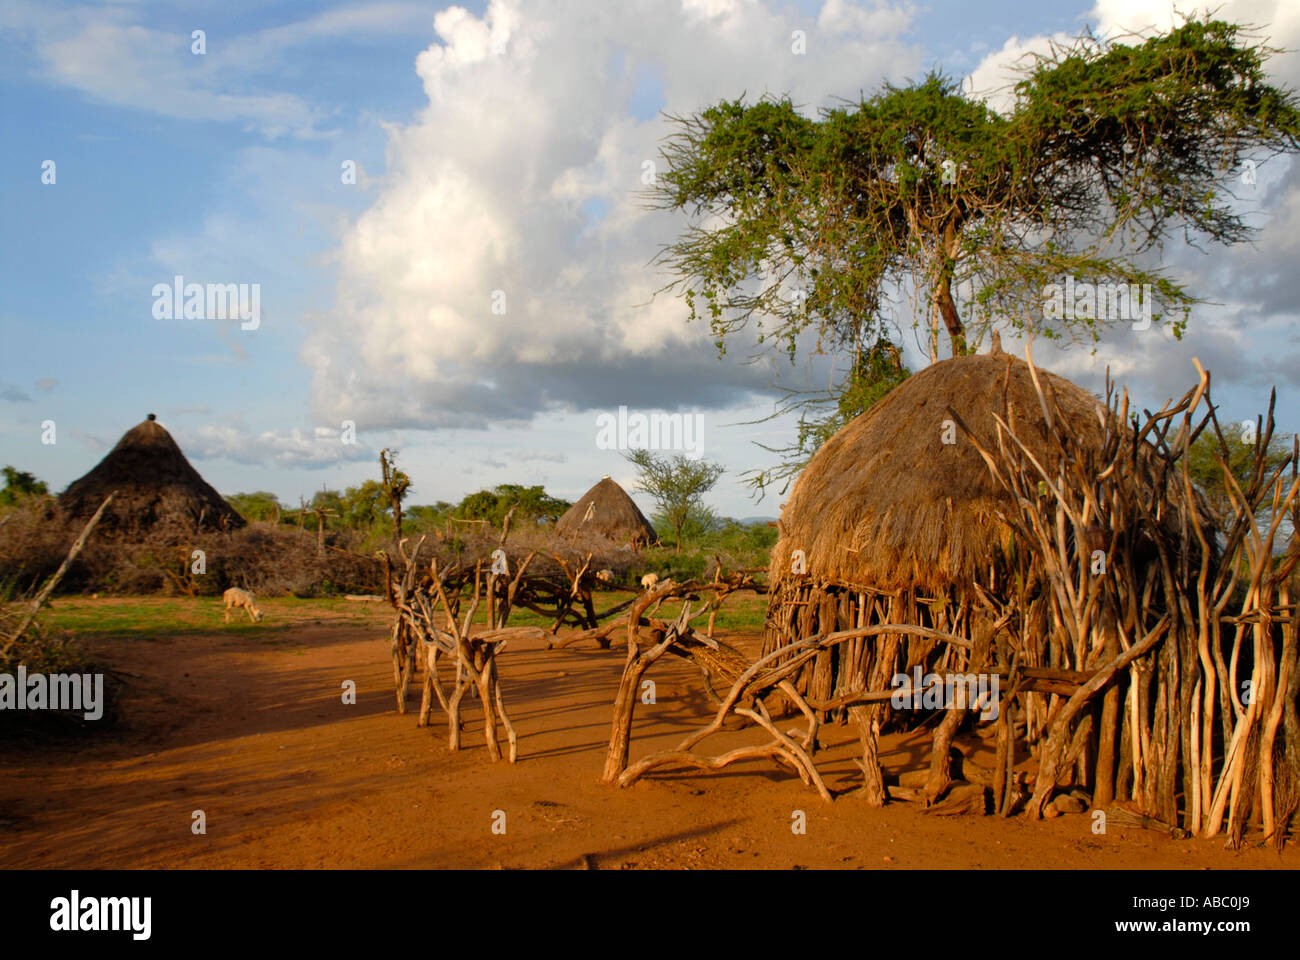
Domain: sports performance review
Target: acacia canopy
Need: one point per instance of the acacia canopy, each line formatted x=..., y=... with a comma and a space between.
x=1107, y=150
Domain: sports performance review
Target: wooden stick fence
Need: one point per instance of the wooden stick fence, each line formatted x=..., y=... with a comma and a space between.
x=1143, y=653
x=428, y=628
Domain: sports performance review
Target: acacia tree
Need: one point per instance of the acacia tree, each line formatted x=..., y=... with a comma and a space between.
x=677, y=484
x=1108, y=150
x=1238, y=453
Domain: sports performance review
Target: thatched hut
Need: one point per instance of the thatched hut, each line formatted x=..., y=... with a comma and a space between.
x=898, y=500
x=607, y=512
x=158, y=491
x=924, y=512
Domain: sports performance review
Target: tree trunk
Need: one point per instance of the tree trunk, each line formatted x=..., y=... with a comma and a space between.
x=948, y=310
x=948, y=247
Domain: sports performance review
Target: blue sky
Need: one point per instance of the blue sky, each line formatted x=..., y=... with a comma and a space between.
x=499, y=148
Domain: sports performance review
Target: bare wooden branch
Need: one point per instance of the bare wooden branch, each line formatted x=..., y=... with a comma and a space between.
x=53, y=582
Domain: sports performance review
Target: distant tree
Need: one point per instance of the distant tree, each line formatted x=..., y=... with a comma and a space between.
x=700, y=525
x=528, y=502
x=677, y=485
x=429, y=514
x=1207, y=473
x=254, y=507
x=20, y=484
x=363, y=505
x=478, y=506
x=531, y=501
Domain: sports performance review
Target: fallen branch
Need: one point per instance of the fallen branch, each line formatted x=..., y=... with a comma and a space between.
x=44, y=595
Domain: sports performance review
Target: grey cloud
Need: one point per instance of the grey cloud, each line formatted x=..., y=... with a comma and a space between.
x=548, y=456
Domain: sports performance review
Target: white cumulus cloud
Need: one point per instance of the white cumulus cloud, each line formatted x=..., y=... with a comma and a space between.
x=521, y=183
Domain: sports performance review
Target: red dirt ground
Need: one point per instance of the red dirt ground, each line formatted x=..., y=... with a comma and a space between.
x=250, y=728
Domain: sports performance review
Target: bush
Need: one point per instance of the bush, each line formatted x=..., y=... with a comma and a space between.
x=260, y=557
x=284, y=560
x=41, y=650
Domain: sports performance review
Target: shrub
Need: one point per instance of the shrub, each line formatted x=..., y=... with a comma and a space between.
x=42, y=650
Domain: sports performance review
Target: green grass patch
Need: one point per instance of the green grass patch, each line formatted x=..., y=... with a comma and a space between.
x=161, y=617
x=151, y=617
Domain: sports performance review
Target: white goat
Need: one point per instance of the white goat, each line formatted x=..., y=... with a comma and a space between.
x=241, y=599
x=649, y=581
x=605, y=576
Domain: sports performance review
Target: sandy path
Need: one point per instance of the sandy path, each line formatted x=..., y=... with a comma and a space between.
x=251, y=730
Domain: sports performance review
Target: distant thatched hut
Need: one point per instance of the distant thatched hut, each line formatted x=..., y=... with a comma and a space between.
x=607, y=512
x=158, y=491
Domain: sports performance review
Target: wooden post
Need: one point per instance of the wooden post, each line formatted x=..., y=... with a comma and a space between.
x=620, y=733
x=867, y=720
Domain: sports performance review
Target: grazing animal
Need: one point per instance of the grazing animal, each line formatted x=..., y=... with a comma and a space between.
x=605, y=576
x=649, y=581
x=241, y=599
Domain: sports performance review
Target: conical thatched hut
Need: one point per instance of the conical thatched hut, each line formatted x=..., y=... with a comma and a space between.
x=607, y=512
x=157, y=489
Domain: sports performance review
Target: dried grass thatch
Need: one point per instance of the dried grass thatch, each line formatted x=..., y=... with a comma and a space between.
x=157, y=489
x=607, y=512
x=887, y=504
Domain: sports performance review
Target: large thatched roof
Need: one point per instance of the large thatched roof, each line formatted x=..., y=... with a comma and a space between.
x=607, y=511
x=887, y=504
x=157, y=488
